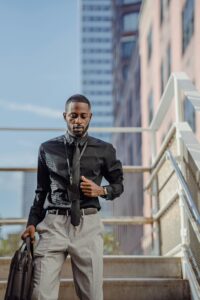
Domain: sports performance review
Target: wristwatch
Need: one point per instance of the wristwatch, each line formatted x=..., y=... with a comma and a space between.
x=105, y=191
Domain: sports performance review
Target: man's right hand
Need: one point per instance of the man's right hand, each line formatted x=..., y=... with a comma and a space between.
x=30, y=231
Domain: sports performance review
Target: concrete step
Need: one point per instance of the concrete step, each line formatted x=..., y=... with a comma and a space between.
x=129, y=289
x=123, y=267
x=142, y=267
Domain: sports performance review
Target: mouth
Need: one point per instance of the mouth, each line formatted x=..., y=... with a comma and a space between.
x=78, y=129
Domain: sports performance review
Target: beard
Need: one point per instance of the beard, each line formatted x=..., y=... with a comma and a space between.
x=78, y=131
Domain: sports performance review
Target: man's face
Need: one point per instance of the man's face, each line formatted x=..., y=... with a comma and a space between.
x=78, y=118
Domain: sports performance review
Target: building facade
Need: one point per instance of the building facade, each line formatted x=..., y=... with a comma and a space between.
x=127, y=112
x=28, y=192
x=96, y=60
x=125, y=36
x=169, y=42
x=169, y=32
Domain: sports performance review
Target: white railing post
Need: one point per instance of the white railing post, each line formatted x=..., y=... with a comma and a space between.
x=183, y=218
x=155, y=206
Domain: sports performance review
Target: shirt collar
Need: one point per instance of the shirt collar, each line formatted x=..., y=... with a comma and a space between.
x=71, y=139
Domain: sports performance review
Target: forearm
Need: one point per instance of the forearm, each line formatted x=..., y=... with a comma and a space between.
x=109, y=192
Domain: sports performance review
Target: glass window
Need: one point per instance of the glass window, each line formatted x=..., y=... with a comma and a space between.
x=96, y=40
x=96, y=7
x=96, y=92
x=131, y=154
x=130, y=1
x=168, y=62
x=125, y=70
x=187, y=23
x=91, y=82
x=127, y=49
x=97, y=50
x=165, y=70
x=96, y=71
x=162, y=79
x=161, y=11
x=96, y=29
x=130, y=22
x=189, y=114
x=150, y=106
x=96, y=61
x=149, y=43
x=96, y=18
x=130, y=109
x=102, y=113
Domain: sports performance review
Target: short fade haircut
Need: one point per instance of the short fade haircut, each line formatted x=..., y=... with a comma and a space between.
x=77, y=98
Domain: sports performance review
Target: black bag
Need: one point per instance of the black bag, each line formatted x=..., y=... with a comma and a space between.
x=20, y=274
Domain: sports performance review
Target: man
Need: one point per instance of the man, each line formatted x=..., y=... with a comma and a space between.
x=70, y=171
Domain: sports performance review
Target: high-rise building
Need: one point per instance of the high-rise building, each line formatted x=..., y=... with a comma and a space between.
x=96, y=60
x=126, y=75
x=28, y=192
x=125, y=36
x=169, y=32
x=127, y=112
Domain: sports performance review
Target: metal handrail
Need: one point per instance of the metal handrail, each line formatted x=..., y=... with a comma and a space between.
x=160, y=158
x=126, y=169
x=184, y=185
x=91, y=129
x=135, y=220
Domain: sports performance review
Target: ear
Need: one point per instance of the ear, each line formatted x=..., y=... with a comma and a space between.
x=64, y=116
x=91, y=116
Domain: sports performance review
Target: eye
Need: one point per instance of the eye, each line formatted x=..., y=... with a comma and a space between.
x=73, y=116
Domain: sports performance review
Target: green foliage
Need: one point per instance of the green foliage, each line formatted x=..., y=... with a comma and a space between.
x=111, y=245
x=9, y=246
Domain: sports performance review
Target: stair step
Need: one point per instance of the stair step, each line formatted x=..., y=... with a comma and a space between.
x=129, y=289
x=142, y=267
x=141, y=289
x=123, y=266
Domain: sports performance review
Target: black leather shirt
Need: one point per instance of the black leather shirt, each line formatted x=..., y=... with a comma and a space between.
x=98, y=160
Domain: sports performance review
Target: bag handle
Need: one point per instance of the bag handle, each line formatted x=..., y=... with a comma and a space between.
x=29, y=245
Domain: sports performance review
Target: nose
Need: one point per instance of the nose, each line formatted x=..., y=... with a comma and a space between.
x=78, y=120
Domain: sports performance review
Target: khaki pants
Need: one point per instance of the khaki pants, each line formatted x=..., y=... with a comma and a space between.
x=58, y=238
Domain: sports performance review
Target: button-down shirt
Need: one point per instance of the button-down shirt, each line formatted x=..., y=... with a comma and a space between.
x=53, y=177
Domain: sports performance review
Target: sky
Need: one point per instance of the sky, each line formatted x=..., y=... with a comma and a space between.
x=39, y=70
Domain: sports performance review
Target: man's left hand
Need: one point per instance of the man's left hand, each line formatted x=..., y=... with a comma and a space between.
x=91, y=189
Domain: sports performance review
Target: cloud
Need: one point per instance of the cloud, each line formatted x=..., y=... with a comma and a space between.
x=35, y=109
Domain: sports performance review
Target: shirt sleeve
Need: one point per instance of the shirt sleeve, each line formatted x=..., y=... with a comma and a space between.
x=113, y=173
x=37, y=211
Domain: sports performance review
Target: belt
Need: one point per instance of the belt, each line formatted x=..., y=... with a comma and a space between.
x=67, y=212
